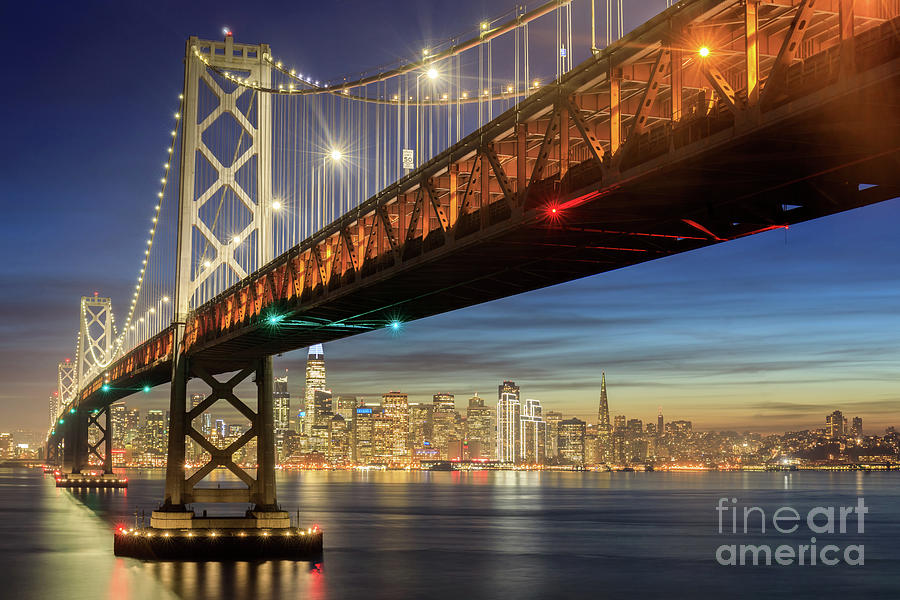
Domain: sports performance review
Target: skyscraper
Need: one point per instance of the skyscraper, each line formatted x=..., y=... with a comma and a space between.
x=604, y=429
x=443, y=417
x=856, y=429
x=420, y=425
x=195, y=452
x=509, y=413
x=552, y=418
x=395, y=406
x=571, y=441
x=533, y=433
x=281, y=399
x=480, y=427
x=315, y=380
x=617, y=448
x=117, y=411
x=834, y=424
x=363, y=435
x=660, y=427
x=156, y=432
x=345, y=406
x=282, y=402
x=338, y=441
x=383, y=439
x=323, y=400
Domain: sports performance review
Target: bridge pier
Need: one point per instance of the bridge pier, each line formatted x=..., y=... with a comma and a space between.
x=175, y=531
x=77, y=449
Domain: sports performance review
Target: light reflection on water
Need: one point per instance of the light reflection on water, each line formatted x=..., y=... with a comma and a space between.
x=452, y=534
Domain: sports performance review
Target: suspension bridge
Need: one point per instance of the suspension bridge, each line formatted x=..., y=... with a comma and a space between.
x=304, y=211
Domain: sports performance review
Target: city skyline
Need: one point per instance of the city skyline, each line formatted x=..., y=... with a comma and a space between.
x=769, y=329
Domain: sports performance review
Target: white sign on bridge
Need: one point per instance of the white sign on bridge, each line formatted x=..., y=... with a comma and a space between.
x=408, y=159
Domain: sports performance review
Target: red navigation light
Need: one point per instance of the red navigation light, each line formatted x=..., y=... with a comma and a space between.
x=68, y=360
x=96, y=294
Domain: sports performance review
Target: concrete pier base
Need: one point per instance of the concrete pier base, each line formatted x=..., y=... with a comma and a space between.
x=81, y=480
x=254, y=519
x=202, y=544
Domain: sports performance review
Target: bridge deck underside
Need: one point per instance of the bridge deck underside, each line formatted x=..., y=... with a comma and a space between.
x=813, y=160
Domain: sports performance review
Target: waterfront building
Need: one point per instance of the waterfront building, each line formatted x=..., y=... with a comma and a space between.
x=443, y=423
x=532, y=433
x=156, y=432
x=363, y=435
x=480, y=427
x=338, y=441
x=317, y=439
x=571, y=441
x=117, y=412
x=131, y=435
x=395, y=406
x=618, y=439
x=382, y=439
x=508, y=423
x=420, y=425
x=552, y=418
x=193, y=449
x=592, y=454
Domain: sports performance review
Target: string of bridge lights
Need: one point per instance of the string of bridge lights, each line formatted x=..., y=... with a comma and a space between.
x=154, y=223
x=307, y=85
x=432, y=73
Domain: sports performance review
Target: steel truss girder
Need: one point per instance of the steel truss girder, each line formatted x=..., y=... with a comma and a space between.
x=789, y=48
x=66, y=384
x=104, y=440
x=260, y=489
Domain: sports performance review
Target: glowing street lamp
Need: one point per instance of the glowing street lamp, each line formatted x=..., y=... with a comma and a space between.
x=336, y=155
x=703, y=51
x=432, y=73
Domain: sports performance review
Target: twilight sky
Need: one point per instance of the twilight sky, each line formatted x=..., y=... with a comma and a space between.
x=765, y=333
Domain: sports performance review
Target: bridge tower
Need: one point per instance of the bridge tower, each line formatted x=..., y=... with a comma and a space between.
x=95, y=350
x=208, y=262
x=66, y=389
x=66, y=386
x=95, y=338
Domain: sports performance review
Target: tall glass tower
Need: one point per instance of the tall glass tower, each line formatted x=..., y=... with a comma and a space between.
x=509, y=415
x=315, y=380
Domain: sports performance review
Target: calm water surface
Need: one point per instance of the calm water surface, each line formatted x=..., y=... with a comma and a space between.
x=464, y=535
